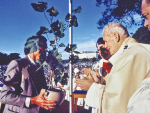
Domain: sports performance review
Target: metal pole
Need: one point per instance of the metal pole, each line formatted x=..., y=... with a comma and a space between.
x=70, y=64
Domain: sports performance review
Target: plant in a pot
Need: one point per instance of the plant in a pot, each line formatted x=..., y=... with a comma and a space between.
x=54, y=60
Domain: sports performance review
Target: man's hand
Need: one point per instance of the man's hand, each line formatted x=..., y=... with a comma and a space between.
x=93, y=75
x=40, y=101
x=86, y=71
x=84, y=84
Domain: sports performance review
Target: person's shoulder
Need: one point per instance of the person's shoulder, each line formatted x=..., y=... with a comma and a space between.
x=21, y=62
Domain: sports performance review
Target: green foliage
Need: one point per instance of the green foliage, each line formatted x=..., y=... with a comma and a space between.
x=73, y=21
x=62, y=45
x=67, y=17
x=70, y=48
x=73, y=59
x=57, y=28
x=54, y=59
x=40, y=6
x=52, y=12
x=121, y=11
x=78, y=10
x=142, y=35
x=5, y=58
x=33, y=45
x=42, y=30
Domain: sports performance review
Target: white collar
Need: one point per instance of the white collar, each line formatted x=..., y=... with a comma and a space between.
x=31, y=60
x=114, y=57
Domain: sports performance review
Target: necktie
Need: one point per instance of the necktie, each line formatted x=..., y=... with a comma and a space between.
x=107, y=67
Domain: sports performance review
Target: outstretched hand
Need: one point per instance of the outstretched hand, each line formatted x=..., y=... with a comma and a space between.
x=92, y=74
x=85, y=83
x=40, y=101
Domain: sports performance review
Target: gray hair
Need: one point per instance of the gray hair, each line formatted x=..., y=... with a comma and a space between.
x=147, y=1
x=111, y=28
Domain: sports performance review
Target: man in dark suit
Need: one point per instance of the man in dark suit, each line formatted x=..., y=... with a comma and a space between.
x=25, y=83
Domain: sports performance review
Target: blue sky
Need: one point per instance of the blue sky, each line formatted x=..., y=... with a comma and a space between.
x=19, y=21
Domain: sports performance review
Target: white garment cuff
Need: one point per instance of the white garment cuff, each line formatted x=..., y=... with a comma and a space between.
x=92, y=97
x=27, y=102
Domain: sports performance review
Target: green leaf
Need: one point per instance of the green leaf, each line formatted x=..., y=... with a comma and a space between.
x=55, y=52
x=62, y=45
x=73, y=21
x=73, y=47
x=67, y=17
x=45, y=63
x=67, y=49
x=78, y=10
x=52, y=42
x=59, y=56
x=52, y=11
x=29, y=45
x=40, y=6
x=54, y=27
x=33, y=48
x=42, y=30
x=59, y=34
x=62, y=26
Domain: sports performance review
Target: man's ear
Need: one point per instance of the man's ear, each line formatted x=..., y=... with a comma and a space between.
x=117, y=36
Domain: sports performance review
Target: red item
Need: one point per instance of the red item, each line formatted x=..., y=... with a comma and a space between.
x=107, y=66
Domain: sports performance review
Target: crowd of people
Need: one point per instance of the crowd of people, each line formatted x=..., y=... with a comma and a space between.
x=118, y=83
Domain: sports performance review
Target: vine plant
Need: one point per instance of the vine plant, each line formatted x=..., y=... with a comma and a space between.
x=54, y=59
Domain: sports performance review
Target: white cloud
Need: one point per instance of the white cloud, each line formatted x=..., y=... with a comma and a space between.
x=87, y=46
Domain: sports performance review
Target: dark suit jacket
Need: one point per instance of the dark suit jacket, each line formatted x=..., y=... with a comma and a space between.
x=17, y=86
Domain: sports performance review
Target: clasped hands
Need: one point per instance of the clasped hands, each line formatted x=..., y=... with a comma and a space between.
x=86, y=82
x=40, y=101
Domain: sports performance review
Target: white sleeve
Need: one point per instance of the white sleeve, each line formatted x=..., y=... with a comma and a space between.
x=140, y=100
x=27, y=102
x=92, y=96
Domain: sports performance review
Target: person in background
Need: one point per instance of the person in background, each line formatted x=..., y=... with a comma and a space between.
x=24, y=83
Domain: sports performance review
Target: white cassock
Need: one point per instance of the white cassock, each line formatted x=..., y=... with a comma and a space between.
x=131, y=64
x=140, y=100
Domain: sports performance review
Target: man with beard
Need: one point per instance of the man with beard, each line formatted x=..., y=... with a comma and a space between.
x=24, y=83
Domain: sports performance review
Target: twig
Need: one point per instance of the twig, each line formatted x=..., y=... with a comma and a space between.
x=47, y=18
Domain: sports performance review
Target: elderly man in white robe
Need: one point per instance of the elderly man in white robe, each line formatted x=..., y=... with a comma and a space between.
x=131, y=63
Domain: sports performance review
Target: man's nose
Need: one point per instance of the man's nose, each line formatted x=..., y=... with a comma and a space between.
x=146, y=23
x=105, y=45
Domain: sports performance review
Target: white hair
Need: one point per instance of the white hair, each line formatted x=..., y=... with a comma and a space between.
x=147, y=1
x=112, y=28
